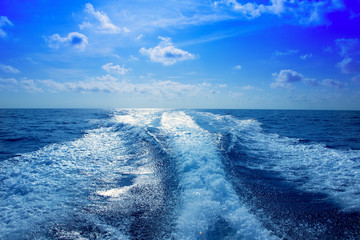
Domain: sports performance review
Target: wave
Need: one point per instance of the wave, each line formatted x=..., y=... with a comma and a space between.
x=312, y=166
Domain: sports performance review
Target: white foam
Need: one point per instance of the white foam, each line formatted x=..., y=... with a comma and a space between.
x=115, y=192
x=56, y=182
x=207, y=198
x=313, y=167
x=137, y=117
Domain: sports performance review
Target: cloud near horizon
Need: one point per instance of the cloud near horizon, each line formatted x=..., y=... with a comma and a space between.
x=286, y=77
x=109, y=84
x=166, y=53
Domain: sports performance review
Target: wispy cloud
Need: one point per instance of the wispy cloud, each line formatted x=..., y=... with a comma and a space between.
x=100, y=22
x=286, y=53
x=110, y=68
x=306, y=56
x=349, y=50
x=238, y=67
x=8, y=80
x=166, y=53
x=30, y=86
x=346, y=45
x=250, y=88
x=9, y=69
x=349, y=65
x=303, y=12
x=74, y=39
x=332, y=83
x=7, y=83
x=4, y=22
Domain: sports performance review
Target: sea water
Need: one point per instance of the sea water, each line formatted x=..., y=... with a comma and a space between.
x=179, y=174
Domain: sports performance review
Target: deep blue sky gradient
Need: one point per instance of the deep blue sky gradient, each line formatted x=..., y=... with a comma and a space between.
x=182, y=54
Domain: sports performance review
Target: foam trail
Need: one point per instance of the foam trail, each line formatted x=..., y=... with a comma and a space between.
x=53, y=184
x=312, y=167
x=210, y=206
x=92, y=186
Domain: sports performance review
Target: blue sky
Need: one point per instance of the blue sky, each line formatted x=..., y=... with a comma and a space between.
x=277, y=54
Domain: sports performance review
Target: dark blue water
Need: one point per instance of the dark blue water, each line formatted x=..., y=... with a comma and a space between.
x=179, y=174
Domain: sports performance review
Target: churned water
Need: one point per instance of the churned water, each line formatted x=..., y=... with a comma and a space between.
x=179, y=174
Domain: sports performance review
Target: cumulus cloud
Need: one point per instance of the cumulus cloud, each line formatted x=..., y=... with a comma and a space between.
x=304, y=12
x=9, y=69
x=4, y=22
x=74, y=39
x=101, y=22
x=166, y=53
x=285, y=77
x=110, y=68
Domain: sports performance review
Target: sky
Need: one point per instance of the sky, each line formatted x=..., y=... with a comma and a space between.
x=277, y=54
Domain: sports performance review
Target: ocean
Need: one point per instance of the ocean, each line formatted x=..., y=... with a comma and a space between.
x=179, y=174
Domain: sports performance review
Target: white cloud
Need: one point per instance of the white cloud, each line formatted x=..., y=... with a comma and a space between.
x=110, y=68
x=285, y=77
x=332, y=83
x=4, y=21
x=349, y=65
x=345, y=45
x=74, y=39
x=237, y=96
x=8, y=80
x=102, y=22
x=306, y=56
x=133, y=58
x=166, y=53
x=7, y=83
x=238, y=67
x=30, y=86
x=304, y=12
x=9, y=69
x=286, y=53
x=107, y=83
